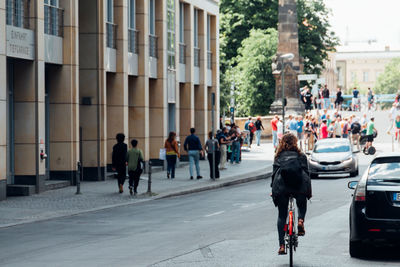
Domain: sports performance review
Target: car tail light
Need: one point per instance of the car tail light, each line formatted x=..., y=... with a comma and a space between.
x=374, y=230
x=360, y=191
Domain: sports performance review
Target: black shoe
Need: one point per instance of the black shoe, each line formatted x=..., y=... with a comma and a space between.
x=191, y=177
x=199, y=177
x=167, y=175
x=131, y=190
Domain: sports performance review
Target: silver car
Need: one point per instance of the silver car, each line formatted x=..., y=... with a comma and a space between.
x=333, y=156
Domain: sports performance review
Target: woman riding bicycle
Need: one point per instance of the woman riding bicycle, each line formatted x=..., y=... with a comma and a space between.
x=290, y=177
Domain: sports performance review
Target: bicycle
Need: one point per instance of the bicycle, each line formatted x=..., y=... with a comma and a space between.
x=291, y=236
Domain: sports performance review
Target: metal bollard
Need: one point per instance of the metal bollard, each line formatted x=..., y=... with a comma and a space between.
x=78, y=178
x=149, y=180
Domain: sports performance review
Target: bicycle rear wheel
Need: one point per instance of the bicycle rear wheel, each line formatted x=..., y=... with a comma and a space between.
x=291, y=251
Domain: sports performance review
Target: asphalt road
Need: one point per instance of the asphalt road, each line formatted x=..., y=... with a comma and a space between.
x=234, y=226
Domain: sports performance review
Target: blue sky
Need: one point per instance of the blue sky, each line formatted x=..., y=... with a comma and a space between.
x=366, y=19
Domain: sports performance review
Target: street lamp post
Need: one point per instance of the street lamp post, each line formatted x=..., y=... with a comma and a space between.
x=289, y=57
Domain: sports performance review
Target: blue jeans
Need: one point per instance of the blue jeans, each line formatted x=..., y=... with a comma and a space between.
x=235, y=152
x=194, y=158
x=258, y=134
x=275, y=138
x=327, y=103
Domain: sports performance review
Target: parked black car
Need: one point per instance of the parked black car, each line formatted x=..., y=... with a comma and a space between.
x=375, y=209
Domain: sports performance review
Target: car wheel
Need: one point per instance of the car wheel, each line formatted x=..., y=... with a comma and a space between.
x=356, y=249
x=313, y=176
x=354, y=174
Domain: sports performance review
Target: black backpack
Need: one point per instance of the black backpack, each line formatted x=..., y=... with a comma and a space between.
x=292, y=172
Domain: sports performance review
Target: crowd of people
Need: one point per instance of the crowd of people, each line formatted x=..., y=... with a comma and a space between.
x=315, y=126
x=322, y=99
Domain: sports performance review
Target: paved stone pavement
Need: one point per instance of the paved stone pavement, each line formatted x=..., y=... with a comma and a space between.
x=102, y=195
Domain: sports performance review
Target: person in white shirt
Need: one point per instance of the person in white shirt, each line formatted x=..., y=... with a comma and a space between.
x=393, y=113
x=279, y=127
x=364, y=121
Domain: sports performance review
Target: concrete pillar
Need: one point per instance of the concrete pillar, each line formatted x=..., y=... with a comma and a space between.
x=139, y=86
x=158, y=106
x=186, y=94
x=3, y=103
x=117, y=83
x=214, y=30
x=201, y=91
x=64, y=100
x=29, y=109
x=92, y=84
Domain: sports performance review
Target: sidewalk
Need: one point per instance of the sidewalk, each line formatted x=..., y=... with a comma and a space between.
x=102, y=195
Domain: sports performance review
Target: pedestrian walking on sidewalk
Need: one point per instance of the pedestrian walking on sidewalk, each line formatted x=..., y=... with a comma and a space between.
x=119, y=160
x=259, y=129
x=193, y=146
x=274, y=126
x=212, y=146
x=172, y=151
x=223, y=143
x=134, y=159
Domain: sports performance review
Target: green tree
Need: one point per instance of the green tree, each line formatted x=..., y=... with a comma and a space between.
x=255, y=84
x=389, y=81
x=238, y=17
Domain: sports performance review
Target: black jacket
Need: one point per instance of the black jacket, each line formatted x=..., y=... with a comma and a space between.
x=119, y=155
x=277, y=183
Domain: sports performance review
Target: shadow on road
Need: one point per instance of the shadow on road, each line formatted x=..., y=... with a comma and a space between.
x=388, y=253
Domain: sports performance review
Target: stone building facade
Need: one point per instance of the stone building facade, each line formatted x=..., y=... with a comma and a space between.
x=362, y=66
x=74, y=73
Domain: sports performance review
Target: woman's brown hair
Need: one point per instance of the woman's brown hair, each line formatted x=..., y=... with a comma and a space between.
x=171, y=137
x=287, y=143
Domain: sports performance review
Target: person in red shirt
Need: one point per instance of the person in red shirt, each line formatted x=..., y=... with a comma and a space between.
x=323, y=130
x=274, y=126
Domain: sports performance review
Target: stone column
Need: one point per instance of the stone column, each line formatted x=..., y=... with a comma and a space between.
x=186, y=94
x=214, y=27
x=29, y=109
x=201, y=94
x=92, y=87
x=64, y=100
x=3, y=103
x=158, y=105
x=117, y=83
x=139, y=86
x=288, y=43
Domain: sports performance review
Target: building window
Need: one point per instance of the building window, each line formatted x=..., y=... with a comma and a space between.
x=171, y=33
x=111, y=28
x=17, y=11
x=152, y=29
x=152, y=17
x=365, y=76
x=353, y=76
x=209, y=53
x=182, y=22
x=132, y=32
x=196, y=28
x=53, y=18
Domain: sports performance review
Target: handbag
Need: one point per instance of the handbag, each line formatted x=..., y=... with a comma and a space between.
x=163, y=154
x=139, y=168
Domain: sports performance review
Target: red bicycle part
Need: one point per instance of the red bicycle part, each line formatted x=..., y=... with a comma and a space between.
x=291, y=223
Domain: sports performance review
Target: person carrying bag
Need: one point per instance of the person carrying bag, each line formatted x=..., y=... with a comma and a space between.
x=134, y=159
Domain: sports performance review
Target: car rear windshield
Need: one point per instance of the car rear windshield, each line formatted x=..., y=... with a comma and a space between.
x=385, y=168
x=331, y=148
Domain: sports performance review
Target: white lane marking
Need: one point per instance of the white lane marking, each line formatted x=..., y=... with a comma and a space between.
x=214, y=214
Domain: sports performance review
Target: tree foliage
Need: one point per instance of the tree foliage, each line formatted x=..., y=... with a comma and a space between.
x=389, y=81
x=253, y=72
x=238, y=17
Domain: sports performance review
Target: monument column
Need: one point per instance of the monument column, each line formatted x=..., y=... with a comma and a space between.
x=288, y=43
